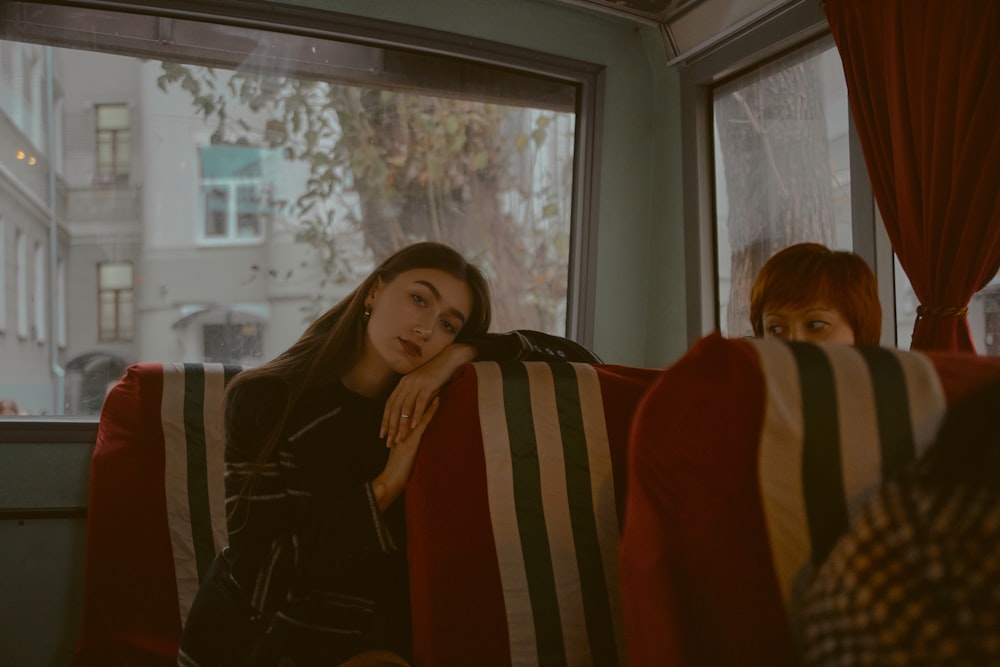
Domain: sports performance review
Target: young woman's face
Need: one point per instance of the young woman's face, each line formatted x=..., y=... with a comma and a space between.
x=816, y=323
x=415, y=316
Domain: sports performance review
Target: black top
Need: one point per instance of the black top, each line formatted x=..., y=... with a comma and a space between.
x=309, y=544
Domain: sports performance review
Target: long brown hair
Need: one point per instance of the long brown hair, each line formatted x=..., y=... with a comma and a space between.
x=333, y=343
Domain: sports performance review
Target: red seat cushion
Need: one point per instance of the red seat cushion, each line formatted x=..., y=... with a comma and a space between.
x=747, y=461
x=514, y=513
x=155, y=499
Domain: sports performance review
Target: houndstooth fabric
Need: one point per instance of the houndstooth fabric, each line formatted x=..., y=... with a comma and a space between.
x=916, y=581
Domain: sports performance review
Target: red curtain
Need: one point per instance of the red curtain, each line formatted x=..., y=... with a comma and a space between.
x=923, y=80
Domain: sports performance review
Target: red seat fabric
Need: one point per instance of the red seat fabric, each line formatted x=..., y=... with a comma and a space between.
x=514, y=512
x=155, y=499
x=747, y=460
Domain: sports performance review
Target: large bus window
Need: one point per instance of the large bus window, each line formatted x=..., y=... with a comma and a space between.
x=782, y=169
x=199, y=189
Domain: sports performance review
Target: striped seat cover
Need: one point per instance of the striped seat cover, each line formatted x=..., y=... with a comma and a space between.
x=156, y=511
x=513, y=515
x=748, y=461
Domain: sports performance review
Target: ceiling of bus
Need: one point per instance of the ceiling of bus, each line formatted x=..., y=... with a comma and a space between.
x=654, y=10
x=689, y=24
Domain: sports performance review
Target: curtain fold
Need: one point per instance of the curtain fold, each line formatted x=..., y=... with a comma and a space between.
x=923, y=80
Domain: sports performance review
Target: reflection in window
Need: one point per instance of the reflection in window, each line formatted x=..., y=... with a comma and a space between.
x=116, y=296
x=782, y=169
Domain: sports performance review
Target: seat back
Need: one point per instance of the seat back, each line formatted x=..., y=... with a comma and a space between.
x=514, y=512
x=747, y=462
x=156, y=510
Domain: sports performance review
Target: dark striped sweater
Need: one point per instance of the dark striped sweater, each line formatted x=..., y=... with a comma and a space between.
x=310, y=547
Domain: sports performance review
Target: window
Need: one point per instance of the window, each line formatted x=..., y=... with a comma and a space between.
x=116, y=302
x=279, y=166
x=787, y=40
x=3, y=276
x=782, y=169
x=113, y=143
x=61, y=302
x=779, y=163
x=40, y=298
x=237, y=188
x=233, y=343
x=21, y=282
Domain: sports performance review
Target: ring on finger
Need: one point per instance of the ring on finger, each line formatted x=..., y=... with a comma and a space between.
x=403, y=416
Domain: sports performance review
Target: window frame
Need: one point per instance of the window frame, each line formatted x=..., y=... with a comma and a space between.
x=774, y=34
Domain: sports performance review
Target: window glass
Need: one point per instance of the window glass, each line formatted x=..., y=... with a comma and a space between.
x=116, y=296
x=21, y=283
x=112, y=143
x=984, y=314
x=4, y=280
x=39, y=298
x=214, y=200
x=782, y=172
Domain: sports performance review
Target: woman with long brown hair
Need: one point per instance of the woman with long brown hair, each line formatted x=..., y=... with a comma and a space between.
x=321, y=442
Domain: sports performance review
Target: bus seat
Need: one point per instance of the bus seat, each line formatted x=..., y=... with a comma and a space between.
x=156, y=511
x=514, y=512
x=746, y=463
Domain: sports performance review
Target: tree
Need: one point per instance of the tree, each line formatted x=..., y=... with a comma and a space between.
x=423, y=168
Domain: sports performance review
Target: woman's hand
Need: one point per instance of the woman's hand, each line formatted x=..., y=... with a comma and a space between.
x=407, y=404
x=399, y=466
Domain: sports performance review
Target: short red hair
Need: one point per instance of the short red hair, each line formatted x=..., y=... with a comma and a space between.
x=804, y=273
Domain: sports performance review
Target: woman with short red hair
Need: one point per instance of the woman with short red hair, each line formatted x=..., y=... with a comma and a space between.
x=808, y=292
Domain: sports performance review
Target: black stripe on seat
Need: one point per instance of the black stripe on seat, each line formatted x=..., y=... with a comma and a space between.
x=895, y=428
x=822, y=472
x=197, y=467
x=530, y=514
x=580, y=494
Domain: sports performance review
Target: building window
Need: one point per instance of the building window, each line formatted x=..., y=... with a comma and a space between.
x=61, y=302
x=40, y=297
x=116, y=302
x=21, y=272
x=237, y=186
x=233, y=343
x=3, y=276
x=113, y=143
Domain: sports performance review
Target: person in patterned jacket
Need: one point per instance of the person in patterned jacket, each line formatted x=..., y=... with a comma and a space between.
x=321, y=443
x=916, y=581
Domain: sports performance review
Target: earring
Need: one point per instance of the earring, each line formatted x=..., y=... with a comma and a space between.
x=368, y=312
